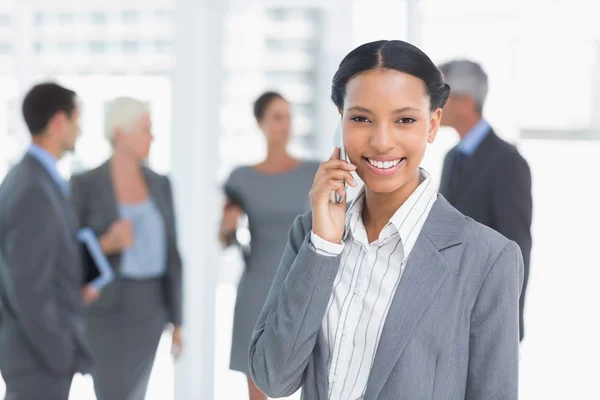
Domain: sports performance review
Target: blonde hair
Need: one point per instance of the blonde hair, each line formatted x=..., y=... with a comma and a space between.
x=122, y=114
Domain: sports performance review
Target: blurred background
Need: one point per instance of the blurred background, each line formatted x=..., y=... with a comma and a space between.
x=199, y=65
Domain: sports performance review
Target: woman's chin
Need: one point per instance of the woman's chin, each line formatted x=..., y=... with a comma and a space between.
x=382, y=187
x=387, y=185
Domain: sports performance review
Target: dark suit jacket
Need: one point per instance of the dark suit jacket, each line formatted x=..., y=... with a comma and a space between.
x=41, y=317
x=95, y=203
x=495, y=190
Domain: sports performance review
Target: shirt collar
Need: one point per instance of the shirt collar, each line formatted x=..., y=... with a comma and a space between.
x=471, y=141
x=413, y=207
x=48, y=161
x=354, y=212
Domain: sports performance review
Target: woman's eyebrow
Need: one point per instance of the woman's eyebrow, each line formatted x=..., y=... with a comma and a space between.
x=397, y=111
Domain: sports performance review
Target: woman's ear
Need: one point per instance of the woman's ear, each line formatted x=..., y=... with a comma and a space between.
x=116, y=135
x=434, y=125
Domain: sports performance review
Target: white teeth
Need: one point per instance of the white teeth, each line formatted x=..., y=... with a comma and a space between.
x=384, y=164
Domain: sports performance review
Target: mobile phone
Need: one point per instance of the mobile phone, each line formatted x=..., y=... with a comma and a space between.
x=338, y=141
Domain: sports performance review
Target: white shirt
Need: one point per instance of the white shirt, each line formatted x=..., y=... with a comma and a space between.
x=365, y=285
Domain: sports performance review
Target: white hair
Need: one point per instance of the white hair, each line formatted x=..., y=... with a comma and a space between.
x=123, y=113
x=467, y=78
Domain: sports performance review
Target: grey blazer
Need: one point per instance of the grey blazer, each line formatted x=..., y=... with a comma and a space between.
x=41, y=311
x=94, y=200
x=452, y=331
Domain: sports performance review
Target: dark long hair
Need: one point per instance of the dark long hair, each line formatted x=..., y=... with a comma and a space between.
x=262, y=103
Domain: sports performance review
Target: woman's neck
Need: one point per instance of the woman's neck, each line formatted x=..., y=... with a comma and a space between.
x=128, y=179
x=379, y=208
x=277, y=160
x=124, y=166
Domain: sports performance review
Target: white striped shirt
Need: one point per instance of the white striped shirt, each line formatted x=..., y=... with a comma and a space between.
x=365, y=285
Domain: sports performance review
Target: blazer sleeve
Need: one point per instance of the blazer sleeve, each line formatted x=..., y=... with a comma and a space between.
x=513, y=205
x=78, y=199
x=445, y=176
x=288, y=326
x=512, y=210
x=174, y=287
x=493, y=372
x=31, y=248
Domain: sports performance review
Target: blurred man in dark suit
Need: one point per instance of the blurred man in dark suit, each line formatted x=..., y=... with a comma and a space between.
x=485, y=177
x=42, y=340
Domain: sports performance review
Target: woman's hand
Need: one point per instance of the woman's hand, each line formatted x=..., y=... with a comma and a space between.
x=329, y=218
x=89, y=294
x=120, y=237
x=177, y=342
x=231, y=215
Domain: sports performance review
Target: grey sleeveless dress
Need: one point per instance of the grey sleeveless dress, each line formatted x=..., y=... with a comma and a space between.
x=271, y=202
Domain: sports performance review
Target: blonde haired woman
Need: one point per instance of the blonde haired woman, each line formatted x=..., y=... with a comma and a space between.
x=130, y=208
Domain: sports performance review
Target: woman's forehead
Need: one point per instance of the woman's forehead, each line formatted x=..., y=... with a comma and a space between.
x=385, y=88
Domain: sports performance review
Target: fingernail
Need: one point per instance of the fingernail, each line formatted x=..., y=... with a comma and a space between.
x=352, y=166
x=354, y=182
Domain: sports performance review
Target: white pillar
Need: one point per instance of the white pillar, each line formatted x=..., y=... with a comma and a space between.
x=196, y=128
x=413, y=22
x=336, y=43
x=23, y=64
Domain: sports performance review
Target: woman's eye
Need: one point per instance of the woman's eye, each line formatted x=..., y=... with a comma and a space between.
x=407, y=120
x=359, y=119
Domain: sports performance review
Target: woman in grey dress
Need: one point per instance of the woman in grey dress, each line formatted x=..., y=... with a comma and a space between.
x=130, y=208
x=271, y=194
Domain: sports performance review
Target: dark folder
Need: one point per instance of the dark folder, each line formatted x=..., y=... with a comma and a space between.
x=97, y=270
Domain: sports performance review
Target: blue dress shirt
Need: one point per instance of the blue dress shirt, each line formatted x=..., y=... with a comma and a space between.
x=469, y=144
x=49, y=162
x=147, y=258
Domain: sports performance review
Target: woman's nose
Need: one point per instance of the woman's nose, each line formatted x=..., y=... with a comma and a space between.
x=382, y=137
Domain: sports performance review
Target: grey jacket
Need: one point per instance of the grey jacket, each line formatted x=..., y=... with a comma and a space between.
x=41, y=315
x=452, y=331
x=94, y=200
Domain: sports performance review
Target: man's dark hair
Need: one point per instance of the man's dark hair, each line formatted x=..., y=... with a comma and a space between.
x=43, y=102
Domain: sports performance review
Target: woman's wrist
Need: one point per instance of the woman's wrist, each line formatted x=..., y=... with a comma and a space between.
x=227, y=237
x=106, y=243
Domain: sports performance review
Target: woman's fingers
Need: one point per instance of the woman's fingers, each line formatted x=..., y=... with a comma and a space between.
x=333, y=165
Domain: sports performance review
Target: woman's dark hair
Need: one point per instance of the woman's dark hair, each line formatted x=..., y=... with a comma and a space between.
x=262, y=103
x=391, y=54
x=42, y=102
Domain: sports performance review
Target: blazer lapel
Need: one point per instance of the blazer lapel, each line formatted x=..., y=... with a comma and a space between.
x=108, y=192
x=424, y=274
x=445, y=179
x=65, y=205
x=156, y=192
x=474, y=164
x=110, y=199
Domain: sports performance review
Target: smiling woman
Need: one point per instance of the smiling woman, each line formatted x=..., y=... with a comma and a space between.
x=399, y=295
